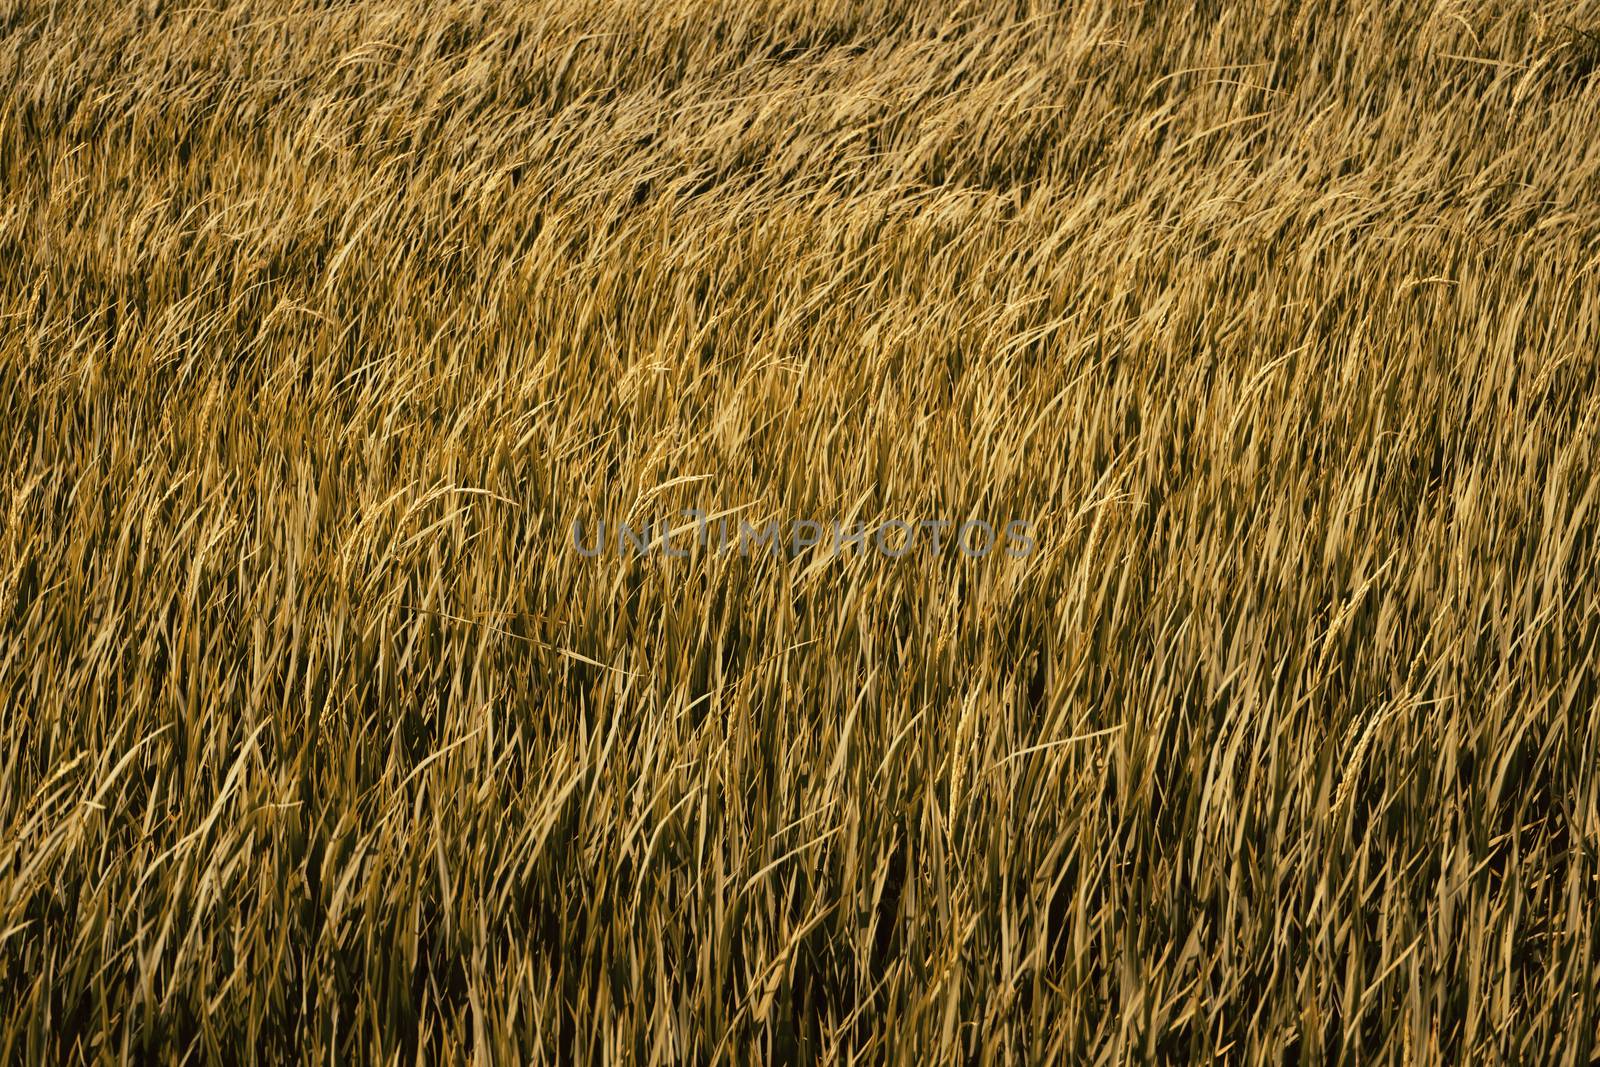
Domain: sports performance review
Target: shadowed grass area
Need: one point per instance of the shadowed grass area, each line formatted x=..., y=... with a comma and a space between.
x=322, y=323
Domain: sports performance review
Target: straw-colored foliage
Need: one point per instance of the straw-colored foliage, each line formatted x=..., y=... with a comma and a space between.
x=320, y=324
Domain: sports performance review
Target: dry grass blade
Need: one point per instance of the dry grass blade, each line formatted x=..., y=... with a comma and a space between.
x=346, y=349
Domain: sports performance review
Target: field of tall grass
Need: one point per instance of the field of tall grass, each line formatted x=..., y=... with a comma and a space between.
x=323, y=323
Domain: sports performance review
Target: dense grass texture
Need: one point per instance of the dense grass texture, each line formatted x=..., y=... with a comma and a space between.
x=321, y=323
